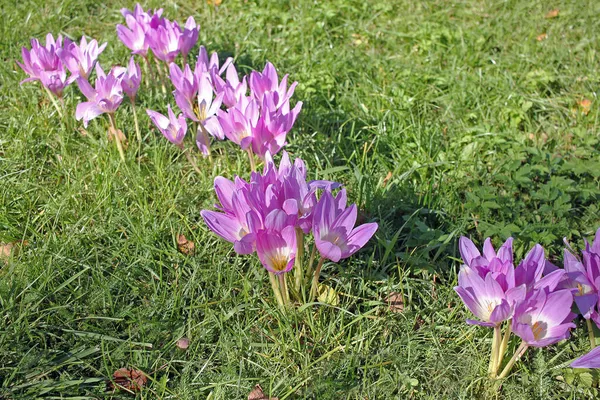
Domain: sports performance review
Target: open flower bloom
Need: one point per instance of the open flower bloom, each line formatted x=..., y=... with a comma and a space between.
x=43, y=63
x=589, y=360
x=271, y=201
x=232, y=88
x=544, y=318
x=131, y=79
x=173, y=128
x=80, y=59
x=333, y=228
x=104, y=98
x=164, y=41
x=486, y=298
x=239, y=122
x=277, y=250
x=267, y=81
x=210, y=65
x=186, y=88
x=188, y=37
x=133, y=36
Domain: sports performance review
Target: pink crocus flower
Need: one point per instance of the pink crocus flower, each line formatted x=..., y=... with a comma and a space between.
x=44, y=64
x=267, y=81
x=277, y=250
x=131, y=79
x=104, y=98
x=81, y=59
x=188, y=37
x=173, y=128
x=133, y=36
x=164, y=41
x=333, y=227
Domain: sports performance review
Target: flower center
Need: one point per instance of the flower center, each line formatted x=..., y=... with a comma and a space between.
x=539, y=330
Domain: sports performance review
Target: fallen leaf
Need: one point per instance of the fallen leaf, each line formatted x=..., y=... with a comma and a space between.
x=112, y=133
x=328, y=295
x=215, y=3
x=11, y=249
x=258, y=394
x=541, y=37
x=129, y=379
x=552, y=13
x=585, y=106
x=395, y=302
x=358, y=39
x=183, y=343
x=387, y=179
x=185, y=246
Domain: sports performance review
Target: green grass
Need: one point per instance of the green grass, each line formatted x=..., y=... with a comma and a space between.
x=475, y=119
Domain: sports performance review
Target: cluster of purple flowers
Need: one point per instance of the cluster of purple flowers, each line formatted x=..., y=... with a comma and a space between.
x=258, y=121
x=273, y=212
x=49, y=64
x=535, y=298
x=148, y=30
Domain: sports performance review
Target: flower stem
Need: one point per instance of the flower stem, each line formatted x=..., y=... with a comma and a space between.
x=496, y=343
x=276, y=291
x=590, y=328
x=135, y=120
x=251, y=157
x=113, y=124
x=504, y=344
x=191, y=160
x=150, y=69
x=311, y=261
x=53, y=100
x=315, y=282
x=206, y=135
x=285, y=294
x=520, y=351
x=298, y=273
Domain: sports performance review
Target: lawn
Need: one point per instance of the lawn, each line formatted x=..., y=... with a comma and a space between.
x=441, y=118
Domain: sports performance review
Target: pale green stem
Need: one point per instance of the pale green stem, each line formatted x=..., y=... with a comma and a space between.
x=298, y=273
x=191, y=160
x=53, y=100
x=590, y=328
x=135, y=120
x=520, y=351
x=275, y=287
x=497, y=342
x=113, y=123
x=285, y=294
x=152, y=75
x=315, y=282
x=311, y=260
x=504, y=344
x=251, y=157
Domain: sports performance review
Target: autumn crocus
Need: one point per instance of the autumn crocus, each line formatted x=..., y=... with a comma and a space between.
x=589, y=360
x=541, y=320
x=131, y=78
x=267, y=81
x=188, y=38
x=43, y=63
x=164, y=41
x=172, y=127
x=106, y=97
x=80, y=59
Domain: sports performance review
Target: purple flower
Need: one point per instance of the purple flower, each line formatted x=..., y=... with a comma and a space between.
x=589, y=360
x=133, y=36
x=268, y=82
x=239, y=122
x=544, y=318
x=104, y=98
x=273, y=126
x=333, y=227
x=204, y=64
x=44, y=64
x=131, y=79
x=173, y=128
x=188, y=37
x=232, y=88
x=485, y=297
x=164, y=41
x=80, y=60
x=277, y=250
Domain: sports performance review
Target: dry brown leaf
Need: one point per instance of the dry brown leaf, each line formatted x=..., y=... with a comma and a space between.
x=258, y=394
x=387, y=179
x=215, y=3
x=185, y=246
x=111, y=133
x=541, y=37
x=11, y=249
x=552, y=13
x=129, y=379
x=585, y=105
x=395, y=302
x=183, y=343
